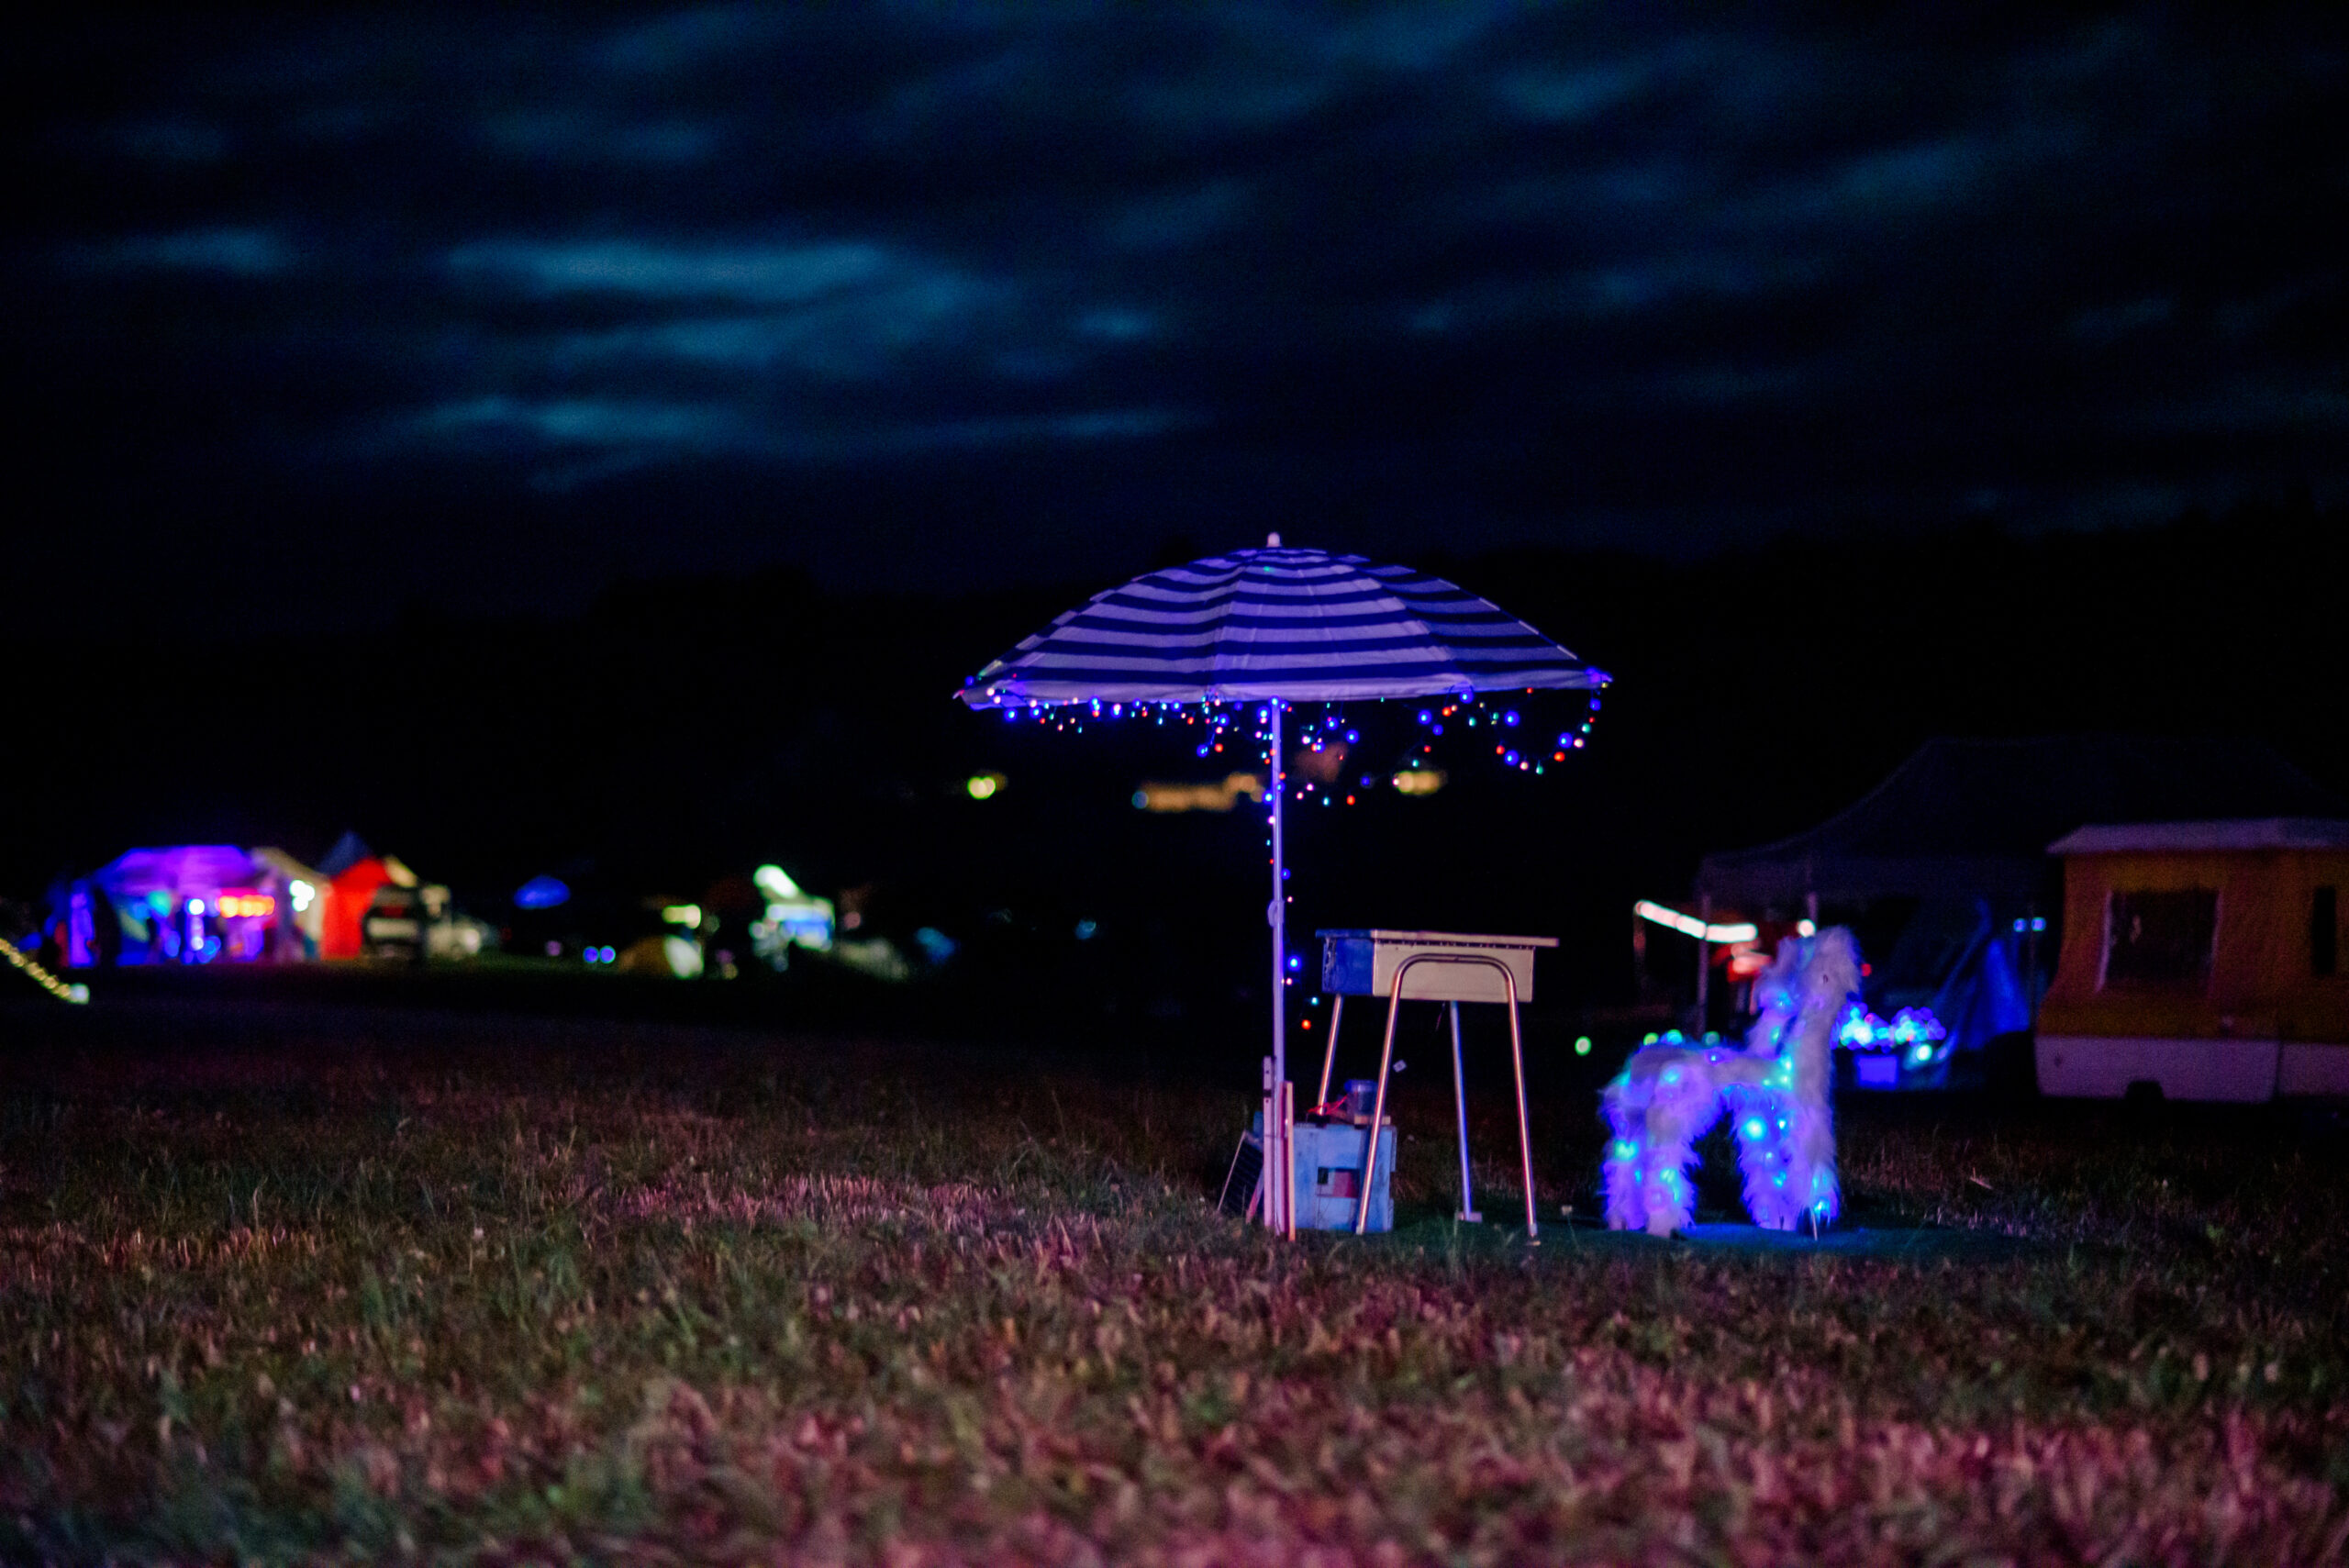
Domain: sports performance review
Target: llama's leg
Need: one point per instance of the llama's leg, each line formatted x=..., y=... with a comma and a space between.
x=1684, y=1104
x=1811, y=1163
x=1786, y=1150
x=1829, y=980
x=1626, y=1210
x=1671, y=1197
x=1763, y=1134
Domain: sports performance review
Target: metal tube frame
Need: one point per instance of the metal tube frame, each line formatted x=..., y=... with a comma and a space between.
x=1387, y=1058
x=1330, y=1052
x=1460, y=1109
x=1276, y=1150
x=1459, y=1097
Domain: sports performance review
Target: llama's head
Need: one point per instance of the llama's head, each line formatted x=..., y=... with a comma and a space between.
x=1831, y=975
x=1830, y=978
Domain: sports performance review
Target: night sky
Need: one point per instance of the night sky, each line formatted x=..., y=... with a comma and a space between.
x=485, y=310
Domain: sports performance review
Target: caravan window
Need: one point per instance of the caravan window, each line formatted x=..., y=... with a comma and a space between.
x=2160, y=941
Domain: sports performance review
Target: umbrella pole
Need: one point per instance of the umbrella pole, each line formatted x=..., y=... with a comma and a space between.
x=1281, y=1161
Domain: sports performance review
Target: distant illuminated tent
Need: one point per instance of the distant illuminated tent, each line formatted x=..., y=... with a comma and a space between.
x=668, y=955
x=189, y=904
x=308, y=893
x=188, y=870
x=793, y=918
x=354, y=894
x=1272, y=626
x=1158, y=797
x=346, y=852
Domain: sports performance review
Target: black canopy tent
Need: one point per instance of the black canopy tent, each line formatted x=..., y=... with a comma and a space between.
x=1967, y=818
x=1944, y=868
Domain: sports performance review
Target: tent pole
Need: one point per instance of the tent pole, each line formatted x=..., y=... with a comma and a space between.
x=1704, y=962
x=1279, y=1176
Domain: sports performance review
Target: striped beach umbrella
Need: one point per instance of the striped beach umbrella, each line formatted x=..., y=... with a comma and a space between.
x=1273, y=625
x=1288, y=624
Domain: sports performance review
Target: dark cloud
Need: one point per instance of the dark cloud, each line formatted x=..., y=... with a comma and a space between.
x=945, y=294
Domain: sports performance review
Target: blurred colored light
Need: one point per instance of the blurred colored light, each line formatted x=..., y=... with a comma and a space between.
x=1689, y=926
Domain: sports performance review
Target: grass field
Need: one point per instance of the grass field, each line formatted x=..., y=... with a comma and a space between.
x=318, y=1286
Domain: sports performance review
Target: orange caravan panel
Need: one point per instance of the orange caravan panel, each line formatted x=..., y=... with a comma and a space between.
x=2200, y=959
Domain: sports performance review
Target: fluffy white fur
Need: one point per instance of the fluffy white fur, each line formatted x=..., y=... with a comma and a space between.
x=1775, y=1089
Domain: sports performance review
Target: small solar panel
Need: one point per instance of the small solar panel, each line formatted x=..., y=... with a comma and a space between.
x=1247, y=1171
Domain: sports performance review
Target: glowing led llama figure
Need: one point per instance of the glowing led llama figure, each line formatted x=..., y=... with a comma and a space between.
x=1775, y=1090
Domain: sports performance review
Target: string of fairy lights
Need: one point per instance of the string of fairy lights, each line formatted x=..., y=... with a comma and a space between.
x=1227, y=728
x=1223, y=728
x=40, y=975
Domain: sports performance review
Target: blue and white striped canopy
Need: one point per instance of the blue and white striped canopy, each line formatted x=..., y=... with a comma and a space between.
x=1298, y=625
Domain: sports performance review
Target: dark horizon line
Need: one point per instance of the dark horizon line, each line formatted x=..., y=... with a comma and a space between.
x=1855, y=534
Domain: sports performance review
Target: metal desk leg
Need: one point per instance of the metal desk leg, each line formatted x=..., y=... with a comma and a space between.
x=1460, y=1104
x=1330, y=1054
x=1387, y=1055
x=1524, y=1138
x=1378, y=1106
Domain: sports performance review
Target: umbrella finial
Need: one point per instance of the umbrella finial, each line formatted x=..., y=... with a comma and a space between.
x=1271, y=541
